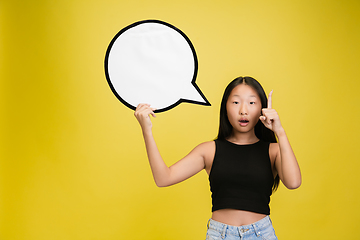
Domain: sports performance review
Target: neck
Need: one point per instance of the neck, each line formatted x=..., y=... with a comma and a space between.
x=243, y=138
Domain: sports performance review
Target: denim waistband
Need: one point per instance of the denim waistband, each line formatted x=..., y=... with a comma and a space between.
x=255, y=227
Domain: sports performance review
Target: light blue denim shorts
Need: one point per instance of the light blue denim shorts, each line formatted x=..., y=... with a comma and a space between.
x=260, y=230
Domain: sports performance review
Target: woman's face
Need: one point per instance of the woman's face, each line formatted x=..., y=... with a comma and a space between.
x=243, y=108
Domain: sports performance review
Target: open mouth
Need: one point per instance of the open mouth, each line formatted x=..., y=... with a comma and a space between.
x=243, y=122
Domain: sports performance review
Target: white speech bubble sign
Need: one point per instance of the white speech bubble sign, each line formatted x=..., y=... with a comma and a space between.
x=153, y=62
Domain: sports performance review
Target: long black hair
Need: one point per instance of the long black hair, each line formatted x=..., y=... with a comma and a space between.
x=261, y=132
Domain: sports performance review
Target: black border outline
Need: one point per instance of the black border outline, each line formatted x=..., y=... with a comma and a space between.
x=207, y=103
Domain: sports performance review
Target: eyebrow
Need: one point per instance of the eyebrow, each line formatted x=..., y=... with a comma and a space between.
x=236, y=95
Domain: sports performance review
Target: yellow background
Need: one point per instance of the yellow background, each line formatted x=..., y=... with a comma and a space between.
x=73, y=163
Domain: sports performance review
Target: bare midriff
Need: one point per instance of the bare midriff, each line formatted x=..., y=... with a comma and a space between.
x=236, y=217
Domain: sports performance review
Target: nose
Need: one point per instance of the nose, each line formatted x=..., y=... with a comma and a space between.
x=243, y=109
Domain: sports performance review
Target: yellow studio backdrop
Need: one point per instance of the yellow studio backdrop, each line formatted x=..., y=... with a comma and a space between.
x=73, y=163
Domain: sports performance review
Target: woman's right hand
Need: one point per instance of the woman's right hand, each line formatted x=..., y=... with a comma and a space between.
x=142, y=114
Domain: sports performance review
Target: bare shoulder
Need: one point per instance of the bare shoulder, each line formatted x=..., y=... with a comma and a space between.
x=273, y=151
x=207, y=145
x=207, y=150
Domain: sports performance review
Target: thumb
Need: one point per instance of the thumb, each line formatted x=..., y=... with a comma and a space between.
x=263, y=119
x=153, y=112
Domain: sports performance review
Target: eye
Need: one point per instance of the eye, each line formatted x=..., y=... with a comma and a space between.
x=252, y=102
x=235, y=102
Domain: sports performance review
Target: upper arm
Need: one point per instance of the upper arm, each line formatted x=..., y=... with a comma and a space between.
x=275, y=157
x=192, y=163
x=287, y=168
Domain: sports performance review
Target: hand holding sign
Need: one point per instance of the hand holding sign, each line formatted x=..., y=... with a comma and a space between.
x=153, y=62
x=142, y=114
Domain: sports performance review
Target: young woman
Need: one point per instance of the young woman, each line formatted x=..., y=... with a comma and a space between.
x=244, y=163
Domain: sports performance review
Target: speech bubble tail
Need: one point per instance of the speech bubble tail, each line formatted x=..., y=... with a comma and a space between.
x=194, y=95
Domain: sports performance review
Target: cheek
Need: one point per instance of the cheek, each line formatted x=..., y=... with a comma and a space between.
x=256, y=111
x=229, y=111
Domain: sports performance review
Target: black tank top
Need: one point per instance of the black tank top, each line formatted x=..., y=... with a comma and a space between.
x=241, y=177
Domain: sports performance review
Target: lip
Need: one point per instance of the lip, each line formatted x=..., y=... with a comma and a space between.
x=243, y=122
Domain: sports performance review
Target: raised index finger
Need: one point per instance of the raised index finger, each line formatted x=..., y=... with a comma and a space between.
x=270, y=99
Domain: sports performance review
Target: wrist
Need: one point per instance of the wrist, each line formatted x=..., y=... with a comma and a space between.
x=147, y=132
x=280, y=133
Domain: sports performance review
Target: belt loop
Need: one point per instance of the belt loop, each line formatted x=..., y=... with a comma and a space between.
x=257, y=230
x=224, y=231
x=239, y=231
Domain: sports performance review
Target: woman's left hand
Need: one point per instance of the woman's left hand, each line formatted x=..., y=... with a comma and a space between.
x=270, y=117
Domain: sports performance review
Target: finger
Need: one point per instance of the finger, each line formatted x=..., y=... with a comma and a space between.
x=270, y=100
x=264, y=121
x=143, y=109
x=271, y=113
x=268, y=111
x=143, y=106
x=153, y=112
x=268, y=118
x=147, y=110
x=265, y=111
x=268, y=121
x=140, y=106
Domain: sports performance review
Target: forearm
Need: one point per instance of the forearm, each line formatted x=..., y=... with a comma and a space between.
x=163, y=175
x=289, y=168
x=160, y=171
